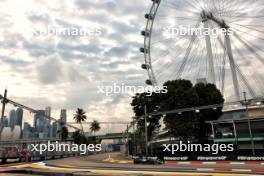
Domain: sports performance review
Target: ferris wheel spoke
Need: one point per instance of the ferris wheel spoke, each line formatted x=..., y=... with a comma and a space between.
x=191, y=58
x=250, y=48
x=198, y=3
x=158, y=42
x=247, y=42
x=228, y=6
x=238, y=8
x=243, y=56
x=245, y=81
x=170, y=65
x=238, y=16
x=172, y=46
x=182, y=65
x=248, y=34
x=174, y=7
x=253, y=25
x=251, y=28
x=193, y=6
x=201, y=62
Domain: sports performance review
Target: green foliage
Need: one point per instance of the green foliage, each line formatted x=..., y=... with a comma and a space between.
x=208, y=94
x=151, y=102
x=95, y=126
x=181, y=94
x=79, y=137
x=80, y=117
x=64, y=133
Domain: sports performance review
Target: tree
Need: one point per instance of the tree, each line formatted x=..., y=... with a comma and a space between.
x=151, y=103
x=180, y=95
x=190, y=125
x=140, y=103
x=64, y=133
x=185, y=126
x=95, y=126
x=79, y=138
x=208, y=94
x=80, y=117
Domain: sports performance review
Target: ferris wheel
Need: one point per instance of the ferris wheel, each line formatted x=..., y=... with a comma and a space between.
x=176, y=46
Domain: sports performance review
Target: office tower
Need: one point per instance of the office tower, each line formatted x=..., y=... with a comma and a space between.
x=48, y=113
x=27, y=131
x=63, y=117
x=5, y=121
x=54, y=129
x=19, y=117
x=41, y=124
x=12, y=117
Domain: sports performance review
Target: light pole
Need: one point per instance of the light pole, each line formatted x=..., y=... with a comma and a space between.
x=4, y=101
x=249, y=124
x=127, y=135
x=246, y=103
x=134, y=138
x=146, y=129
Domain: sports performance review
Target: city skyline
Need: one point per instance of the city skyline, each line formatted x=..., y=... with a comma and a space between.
x=40, y=127
x=63, y=71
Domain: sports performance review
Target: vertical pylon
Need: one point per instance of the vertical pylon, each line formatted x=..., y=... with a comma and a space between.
x=3, y=109
x=209, y=55
x=232, y=66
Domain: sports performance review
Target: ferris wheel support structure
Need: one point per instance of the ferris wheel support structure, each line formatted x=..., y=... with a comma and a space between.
x=221, y=23
x=209, y=55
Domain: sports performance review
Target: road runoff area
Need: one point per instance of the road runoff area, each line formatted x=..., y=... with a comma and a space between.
x=89, y=166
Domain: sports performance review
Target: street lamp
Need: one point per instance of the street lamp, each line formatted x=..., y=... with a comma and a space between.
x=146, y=129
x=246, y=102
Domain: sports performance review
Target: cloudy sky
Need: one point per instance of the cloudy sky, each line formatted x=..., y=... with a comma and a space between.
x=64, y=71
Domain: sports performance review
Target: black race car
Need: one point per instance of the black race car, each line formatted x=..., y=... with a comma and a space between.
x=147, y=160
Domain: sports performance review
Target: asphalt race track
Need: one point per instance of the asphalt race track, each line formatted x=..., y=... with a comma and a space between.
x=82, y=166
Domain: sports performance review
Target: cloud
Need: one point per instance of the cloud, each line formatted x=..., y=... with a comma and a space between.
x=53, y=70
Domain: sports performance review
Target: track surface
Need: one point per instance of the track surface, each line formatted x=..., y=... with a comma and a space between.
x=89, y=165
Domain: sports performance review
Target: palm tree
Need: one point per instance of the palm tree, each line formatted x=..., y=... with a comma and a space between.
x=95, y=126
x=80, y=117
x=64, y=133
x=78, y=137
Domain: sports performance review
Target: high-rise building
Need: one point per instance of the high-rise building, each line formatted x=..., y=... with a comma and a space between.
x=63, y=117
x=28, y=131
x=5, y=121
x=12, y=117
x=41, y=124
x=55, y=127
x=19, y=117
x=48, y=113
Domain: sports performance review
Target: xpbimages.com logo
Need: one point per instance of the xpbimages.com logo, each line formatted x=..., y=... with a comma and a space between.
x=126, y=89
x=189, y=147
x=67, y=31
x=65, y=147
